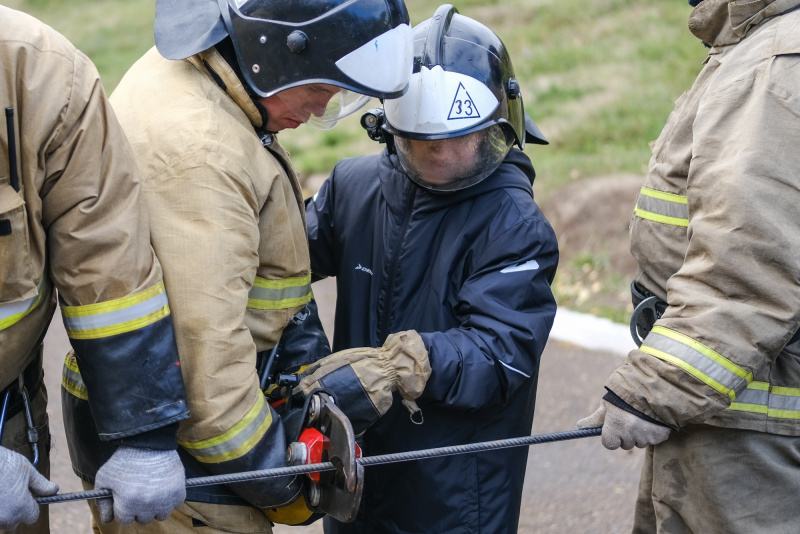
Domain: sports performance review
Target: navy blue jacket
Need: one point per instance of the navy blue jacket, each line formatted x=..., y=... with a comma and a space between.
x=470, y=271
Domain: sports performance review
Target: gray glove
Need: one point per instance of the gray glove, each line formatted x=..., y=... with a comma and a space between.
x=21, y=484
x=146, y=484
x=623, y=429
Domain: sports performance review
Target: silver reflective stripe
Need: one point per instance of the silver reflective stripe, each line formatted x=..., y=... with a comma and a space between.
x=697, y=359
x=504, y=364
x=237, y=441
x=279, y=294
x=753, y=399
x=13, y=312
x=662, y=207
x=17, y=308
x=71, y=379
x=115, y=317
x=784, y=403
x=753, y=396
x=775, y=401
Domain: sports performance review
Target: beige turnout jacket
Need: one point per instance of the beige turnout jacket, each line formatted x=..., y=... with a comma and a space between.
x=227, y=222
x=76, y=224
x=716, y=232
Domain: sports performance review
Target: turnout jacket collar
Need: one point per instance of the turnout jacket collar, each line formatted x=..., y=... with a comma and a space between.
x=233, y=86
x=723, y=22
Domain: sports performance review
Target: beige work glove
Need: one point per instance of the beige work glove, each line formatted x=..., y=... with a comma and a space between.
x=623, y=429
x=363, y=379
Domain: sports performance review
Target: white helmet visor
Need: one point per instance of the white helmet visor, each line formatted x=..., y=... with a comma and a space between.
x=343, y=103
x=383, y=64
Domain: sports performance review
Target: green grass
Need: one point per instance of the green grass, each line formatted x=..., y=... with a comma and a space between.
x=599, y=77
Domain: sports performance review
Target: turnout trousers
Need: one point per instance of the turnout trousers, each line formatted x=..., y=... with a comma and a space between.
x=707, y=479
x=191, y=518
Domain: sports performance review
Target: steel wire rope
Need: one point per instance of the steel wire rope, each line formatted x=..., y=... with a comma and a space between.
x=365, y=461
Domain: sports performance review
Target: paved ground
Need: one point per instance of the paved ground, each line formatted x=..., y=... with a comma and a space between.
x=574, y=486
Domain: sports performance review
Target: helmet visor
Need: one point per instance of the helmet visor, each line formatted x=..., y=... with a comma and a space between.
x=457, y=162
x=342, y=104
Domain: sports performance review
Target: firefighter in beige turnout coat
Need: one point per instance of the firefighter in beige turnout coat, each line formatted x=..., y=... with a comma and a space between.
x=714, y=390
x=226, y=218
x=71, y=221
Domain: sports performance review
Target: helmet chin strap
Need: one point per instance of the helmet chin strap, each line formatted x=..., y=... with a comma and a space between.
x=228, y=53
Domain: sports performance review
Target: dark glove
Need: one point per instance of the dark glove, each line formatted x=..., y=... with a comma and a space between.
x=21, y=484
x=146, y=484
x=623, y=429
x=363, y=379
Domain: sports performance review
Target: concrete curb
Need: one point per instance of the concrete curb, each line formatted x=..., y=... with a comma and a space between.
x=592, y=332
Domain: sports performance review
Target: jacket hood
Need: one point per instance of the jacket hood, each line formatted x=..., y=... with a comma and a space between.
x=516, y=171
x=725, y=22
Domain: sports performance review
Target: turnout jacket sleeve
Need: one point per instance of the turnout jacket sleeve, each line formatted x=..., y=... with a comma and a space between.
x=227, y=225
x=734, y=302
x=87, y=233
x=506, y=310
x=209, y=235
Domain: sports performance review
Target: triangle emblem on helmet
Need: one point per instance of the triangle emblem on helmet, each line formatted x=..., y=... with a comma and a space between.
x=463, y=107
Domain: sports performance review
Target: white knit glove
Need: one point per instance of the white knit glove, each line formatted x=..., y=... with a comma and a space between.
x=623, y=429
x=146, y=484
x=21, y=484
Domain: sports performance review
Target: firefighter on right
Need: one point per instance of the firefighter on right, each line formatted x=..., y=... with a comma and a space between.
x=713, y=391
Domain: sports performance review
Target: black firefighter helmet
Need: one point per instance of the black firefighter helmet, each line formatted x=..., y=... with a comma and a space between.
x=360, y=46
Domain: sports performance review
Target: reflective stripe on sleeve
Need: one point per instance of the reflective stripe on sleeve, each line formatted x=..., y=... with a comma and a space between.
x=12, y=313
x=71, y=379
x=753, y=399
x=696, y=359
x=774, y=401
x=279, y=294
x=118, y=316
x=661, y=207
x=237, y=441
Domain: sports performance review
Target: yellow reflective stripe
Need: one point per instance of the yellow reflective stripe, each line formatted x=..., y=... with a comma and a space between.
x=237, y=441
x=71, y=379
x=13, y=312
x=744, y=407
x=662, y=207
x=118, y=316
x=708, y=352
x=754, y=399
x=663, y=195
x=279, y=294
x=774, y=401
x=663, y=219
x=689, y=369
x=784, y=402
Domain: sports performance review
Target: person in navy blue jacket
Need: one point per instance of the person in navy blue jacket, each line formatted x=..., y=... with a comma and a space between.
x=440, y=234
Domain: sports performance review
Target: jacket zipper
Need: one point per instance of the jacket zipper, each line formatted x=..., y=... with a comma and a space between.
x=383, y=329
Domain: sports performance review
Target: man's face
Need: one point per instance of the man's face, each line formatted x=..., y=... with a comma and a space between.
x=445, y=161
x=292, y=107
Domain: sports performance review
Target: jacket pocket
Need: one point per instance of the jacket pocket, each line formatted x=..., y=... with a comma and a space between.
x=17, y=281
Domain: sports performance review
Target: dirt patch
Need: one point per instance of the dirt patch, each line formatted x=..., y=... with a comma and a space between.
x=591, y=218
